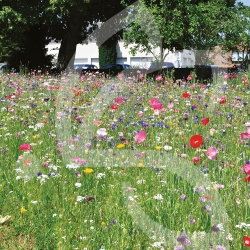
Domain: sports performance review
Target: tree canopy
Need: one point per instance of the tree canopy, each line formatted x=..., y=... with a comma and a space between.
x=170, y=25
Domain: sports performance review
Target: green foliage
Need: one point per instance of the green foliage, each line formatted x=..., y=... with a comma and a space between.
x=32, y=52
x=174, y=25
x=107, y=52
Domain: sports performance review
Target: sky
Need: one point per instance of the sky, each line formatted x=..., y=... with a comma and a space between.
x=246, y=2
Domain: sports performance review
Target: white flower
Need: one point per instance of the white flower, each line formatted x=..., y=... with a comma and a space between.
x=54, y=215
x=230, y=237
x=72, y=166
x=102, y=132
x=167, y=148
x=78, y=184
x=100, y=175
x=247, y=124
x=140, y=181
x=34, y=202
x=80, y=198
x=158, y=197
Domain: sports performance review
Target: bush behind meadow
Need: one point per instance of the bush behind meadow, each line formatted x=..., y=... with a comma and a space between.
x=124, y=163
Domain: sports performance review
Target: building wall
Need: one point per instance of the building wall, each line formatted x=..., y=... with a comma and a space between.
x=88, y=53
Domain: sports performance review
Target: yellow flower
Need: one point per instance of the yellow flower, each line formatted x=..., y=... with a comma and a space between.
x=34, y=136
x=140, y=164
x=103, y=223
x=88, y=170
x=120, y=145
x=158, y=147
x=23, y=210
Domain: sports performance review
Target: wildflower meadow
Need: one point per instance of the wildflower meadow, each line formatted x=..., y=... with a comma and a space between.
x=124, y=163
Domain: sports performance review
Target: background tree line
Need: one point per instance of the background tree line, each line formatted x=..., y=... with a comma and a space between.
x=27, y=26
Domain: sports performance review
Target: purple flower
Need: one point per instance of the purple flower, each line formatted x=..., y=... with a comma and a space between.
x=192, y=221
x=220, y=248
x=182, y=239
x=202, y=199
x=200, y=189
x=207, y=208
x=178, y=248
x=183, y=197
x=215, y=228
x=90, y=198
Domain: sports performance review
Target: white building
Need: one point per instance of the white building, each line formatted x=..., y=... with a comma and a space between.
x=88, y=54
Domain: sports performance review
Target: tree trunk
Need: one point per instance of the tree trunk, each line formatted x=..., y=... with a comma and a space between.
x=67, y=49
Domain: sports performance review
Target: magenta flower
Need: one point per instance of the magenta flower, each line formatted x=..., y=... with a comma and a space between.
x=118, y=99
x=244, y=136
x=212, y=153
x=140, y=136
x=246, y=168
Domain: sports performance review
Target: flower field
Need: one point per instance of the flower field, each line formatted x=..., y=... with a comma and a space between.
x=128, y=163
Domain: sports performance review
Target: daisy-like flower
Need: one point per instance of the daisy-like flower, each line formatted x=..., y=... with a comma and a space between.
x=23, y=210
x=120, y=145
x=77, y=185
x=88, y=170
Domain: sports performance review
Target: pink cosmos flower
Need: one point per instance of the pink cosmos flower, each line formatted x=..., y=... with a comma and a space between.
x=140, y=114
x=212, y=153
x=140, y=136
x=244, y=136
x=153, y=100
x=170, y=105
x=157, y=106
x=25, y=147
x=120, y=76
x=246, y=168
x=248, y=127
x=226, y=76
x=97, y=123
x=118, y=99
x=159, y=78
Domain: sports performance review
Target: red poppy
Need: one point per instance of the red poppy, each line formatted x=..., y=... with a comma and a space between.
x=247, y=179
x=185, y=95
x=234, y=76
x=205, y=121
x=25, y=147
x=247, y=241
x=223, y=100
x=114, y=106
x=195, y=141
x=208, y=197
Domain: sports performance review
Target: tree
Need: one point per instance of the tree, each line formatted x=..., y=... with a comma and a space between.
x=174, y=25
x=21, y=23
x=75, y=20
x=237, y=35
x=32, y=51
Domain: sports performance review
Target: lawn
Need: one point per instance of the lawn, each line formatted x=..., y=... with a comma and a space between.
x=124, y=163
